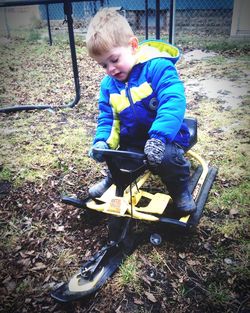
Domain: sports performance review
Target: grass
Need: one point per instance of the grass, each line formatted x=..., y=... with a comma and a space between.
x=5, y=174
x=47, y=81
x=34, y=35
x=157, y=259
x=212, y=43
x=218, y=294
x=237, y=196
x=26, y=286
x=41, y=149
x=10, y=234
x=64, y=257
x=128, y=274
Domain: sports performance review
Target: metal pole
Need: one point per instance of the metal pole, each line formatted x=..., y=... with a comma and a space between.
x=6, y=23
x=68, y=12
x=146, y=19
x=157, y=19
x=172, y=21
x=48, y=23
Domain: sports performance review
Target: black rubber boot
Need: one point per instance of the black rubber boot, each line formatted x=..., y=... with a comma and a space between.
x=182, y=199
x=98, y=189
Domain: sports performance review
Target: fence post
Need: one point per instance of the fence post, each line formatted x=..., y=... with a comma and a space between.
x=6, y=22
x=68, y=12
x=146, y=19
x=172, y=21
x=48, y=23
x=157, y=19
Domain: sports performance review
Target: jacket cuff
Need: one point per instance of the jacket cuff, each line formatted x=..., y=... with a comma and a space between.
x=161, y=138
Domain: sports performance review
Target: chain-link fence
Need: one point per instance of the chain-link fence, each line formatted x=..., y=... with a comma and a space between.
x=196, y=17
x=61, y=21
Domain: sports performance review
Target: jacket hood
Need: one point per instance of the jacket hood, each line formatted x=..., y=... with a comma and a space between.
x=151, y=49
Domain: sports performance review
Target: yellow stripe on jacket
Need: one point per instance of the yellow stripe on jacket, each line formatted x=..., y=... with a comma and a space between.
x=120, y=102
x=114, y=137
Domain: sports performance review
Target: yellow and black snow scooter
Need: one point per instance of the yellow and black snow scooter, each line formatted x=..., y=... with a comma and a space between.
x=125, y=201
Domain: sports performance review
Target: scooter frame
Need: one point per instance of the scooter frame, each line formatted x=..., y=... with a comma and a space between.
x=122, y=201
x=125, y=203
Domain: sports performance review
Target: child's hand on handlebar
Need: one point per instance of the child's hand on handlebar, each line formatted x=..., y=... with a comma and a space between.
x=154, y=150
x=98, y=156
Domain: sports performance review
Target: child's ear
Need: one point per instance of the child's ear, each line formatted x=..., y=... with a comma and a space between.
x=134, y=43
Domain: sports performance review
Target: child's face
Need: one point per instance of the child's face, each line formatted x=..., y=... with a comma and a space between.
x=118, y=62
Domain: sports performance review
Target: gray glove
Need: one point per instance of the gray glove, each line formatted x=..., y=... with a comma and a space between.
x=154, y=150
x=97, y=156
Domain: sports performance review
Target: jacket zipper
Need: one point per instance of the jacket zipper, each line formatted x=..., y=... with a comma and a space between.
x=128, y=94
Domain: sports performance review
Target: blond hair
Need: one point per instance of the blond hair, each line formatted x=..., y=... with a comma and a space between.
x=108, y=29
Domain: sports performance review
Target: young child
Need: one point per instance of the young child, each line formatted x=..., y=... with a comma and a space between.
x=141, y=105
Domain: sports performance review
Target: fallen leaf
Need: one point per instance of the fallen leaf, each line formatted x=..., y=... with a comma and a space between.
x=192, y=262
x=145, y=261
x=207, y=246
x=233, y=212
x=231, y=280
x=151, y=279
x=138, y=301
x=146, y=280
x=23, y=255
x=48, y=255
x=58, y=228
x=118, y=310
x=47, y=278
x=174, y=285
x=25, y=262
x=32, y=252
x=39, y=266
x=150, y=297
x=9, y=283
x=182, y=255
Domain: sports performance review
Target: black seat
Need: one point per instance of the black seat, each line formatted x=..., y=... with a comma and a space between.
x=191, y=123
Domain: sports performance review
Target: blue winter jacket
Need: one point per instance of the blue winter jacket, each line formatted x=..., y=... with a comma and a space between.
x=151, y=104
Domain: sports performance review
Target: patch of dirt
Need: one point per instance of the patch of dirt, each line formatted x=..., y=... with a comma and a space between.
x=198, y=55
x=230, y=94
x=227, y=90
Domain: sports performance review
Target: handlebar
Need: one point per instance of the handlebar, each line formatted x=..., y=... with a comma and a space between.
x=122, y=164
x=121, y=153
